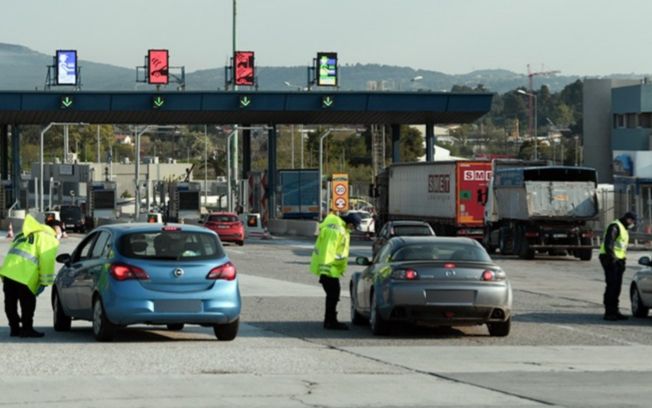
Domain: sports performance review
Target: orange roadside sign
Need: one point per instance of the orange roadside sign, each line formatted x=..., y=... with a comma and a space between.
x=340, y=192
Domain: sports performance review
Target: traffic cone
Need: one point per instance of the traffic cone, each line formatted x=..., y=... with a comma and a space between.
x=10, y=233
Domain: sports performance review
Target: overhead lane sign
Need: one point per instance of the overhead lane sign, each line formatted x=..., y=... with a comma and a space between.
x=66, y=67
x=158, y=70
x=326, y=69
x=66, y=102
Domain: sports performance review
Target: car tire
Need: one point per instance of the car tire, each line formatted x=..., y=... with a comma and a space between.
x=356, y=318
x=500, y=329
x=103, y=329
x=638, y=308
x=228, y=331
x=61, y=322
x=175, y=326
x=240, y=243
x=379, y=326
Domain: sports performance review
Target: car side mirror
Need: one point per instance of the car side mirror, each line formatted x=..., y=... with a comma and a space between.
x=644, y=260
x=362, y=260
x=64, y=259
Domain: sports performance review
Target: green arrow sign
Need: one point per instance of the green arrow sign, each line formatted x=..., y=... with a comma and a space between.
x=245, y=101
x=327, y=101
x=158, y=102
x=65, y=102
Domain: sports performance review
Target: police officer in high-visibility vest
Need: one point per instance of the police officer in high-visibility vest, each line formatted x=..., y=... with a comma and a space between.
x=330, y=259
x=613, y=255
x=27, y=269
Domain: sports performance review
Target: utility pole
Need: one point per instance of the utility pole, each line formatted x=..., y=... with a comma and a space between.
x=530, y=106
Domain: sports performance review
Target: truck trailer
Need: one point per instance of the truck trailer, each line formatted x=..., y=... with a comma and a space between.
x=541, y=209
x=449, y=195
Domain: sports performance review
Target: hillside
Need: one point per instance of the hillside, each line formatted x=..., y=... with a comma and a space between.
x=25, y=69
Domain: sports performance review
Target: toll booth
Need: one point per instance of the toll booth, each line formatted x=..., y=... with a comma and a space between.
x=185, y=201
x=101, y=202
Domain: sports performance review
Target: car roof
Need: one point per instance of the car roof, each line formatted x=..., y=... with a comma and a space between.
x=407, y=222
x=150, y=227
x=408, y=240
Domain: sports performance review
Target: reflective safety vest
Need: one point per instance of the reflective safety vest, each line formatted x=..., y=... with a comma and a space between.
x=620, y=245
x=331, y=253
x=31, y=257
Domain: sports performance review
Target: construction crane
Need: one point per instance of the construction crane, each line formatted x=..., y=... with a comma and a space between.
x=530, y=105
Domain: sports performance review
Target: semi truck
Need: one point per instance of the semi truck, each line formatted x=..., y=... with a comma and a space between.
x=540, y=209
x=449, y=195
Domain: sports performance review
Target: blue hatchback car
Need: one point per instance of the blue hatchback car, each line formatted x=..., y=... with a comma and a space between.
x=125, y=274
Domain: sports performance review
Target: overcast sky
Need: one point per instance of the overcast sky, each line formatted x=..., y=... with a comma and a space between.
x=584, y=37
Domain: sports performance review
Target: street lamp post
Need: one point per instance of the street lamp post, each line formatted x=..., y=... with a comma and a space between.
x=536, y=140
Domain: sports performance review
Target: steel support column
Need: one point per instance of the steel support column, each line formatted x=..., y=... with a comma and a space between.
x=4, y=152
x=246, y=152
x=430, y=142
x=15, y=163
x=271, y=172
x=396, y=143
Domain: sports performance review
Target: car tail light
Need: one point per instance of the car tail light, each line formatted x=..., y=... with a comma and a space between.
x=225, y=272
x=587, y=234
x=488, y=275
x=449, y=265
x=531, y=234
x=405, y=274
x=122, y=272
x=493, y=275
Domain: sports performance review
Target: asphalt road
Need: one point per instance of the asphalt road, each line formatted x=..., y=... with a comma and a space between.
x=560, y=351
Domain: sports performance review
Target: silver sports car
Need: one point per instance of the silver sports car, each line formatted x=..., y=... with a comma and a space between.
x=640, y=291
x=435, y=280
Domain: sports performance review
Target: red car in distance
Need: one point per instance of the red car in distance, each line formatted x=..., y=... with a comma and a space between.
x=227, y=225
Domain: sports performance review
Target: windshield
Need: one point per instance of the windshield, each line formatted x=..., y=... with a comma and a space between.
x=442, y=251
x=70, y=211
x=222, y=218
x=170, y=245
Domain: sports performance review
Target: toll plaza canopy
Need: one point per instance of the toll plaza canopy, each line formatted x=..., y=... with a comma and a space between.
x=241, y=107
x=235, y=107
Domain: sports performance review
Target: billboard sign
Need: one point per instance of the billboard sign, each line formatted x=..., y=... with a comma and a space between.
x=157, y=67
x=243, y=68
x=326, y=69
x=66, y=67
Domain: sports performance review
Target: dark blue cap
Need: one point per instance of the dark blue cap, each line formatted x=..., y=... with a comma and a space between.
x=352, y=218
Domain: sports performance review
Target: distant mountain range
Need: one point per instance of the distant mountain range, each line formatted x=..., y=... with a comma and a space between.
x=25, y=69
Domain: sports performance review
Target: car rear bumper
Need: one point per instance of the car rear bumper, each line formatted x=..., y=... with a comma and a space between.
x=215, y=306
x=231, y=237
x=459, y=304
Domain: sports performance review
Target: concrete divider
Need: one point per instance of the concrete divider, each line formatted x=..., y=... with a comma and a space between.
x=301, y=228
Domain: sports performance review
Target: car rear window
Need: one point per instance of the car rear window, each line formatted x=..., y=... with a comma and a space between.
x=187, y=245
x=411, y=230
x=222, y=218
x=70, y=211
x=443, y=251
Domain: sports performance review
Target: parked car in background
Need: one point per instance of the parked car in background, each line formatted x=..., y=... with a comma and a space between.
x=141, y=273
x=73, y=218
x=367, y=222
x=400, y=229
x=227, y=225
x=436, y=280
x=640, y=290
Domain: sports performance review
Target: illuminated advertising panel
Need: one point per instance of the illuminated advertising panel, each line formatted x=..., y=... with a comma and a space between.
x=66, y=67
x=326, y=69
x=243, y=68
x=157, y=65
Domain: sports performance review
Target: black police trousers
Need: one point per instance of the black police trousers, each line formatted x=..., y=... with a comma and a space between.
x=15, y=293
x=613, y=277
x=332, y=288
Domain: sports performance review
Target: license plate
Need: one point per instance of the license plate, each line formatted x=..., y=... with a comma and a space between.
x=559, y=235
x=177, y=306
x=449, y=297
x=223, y=226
